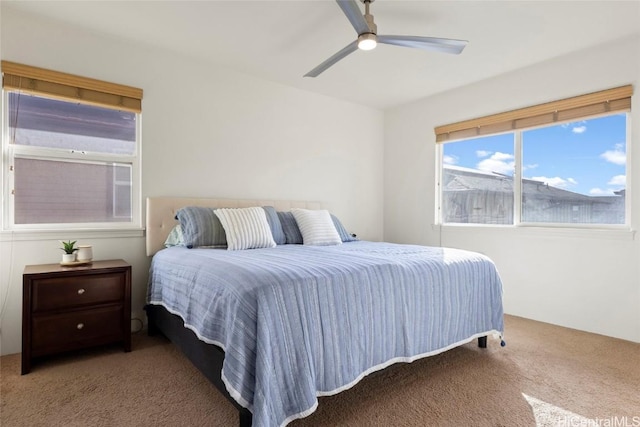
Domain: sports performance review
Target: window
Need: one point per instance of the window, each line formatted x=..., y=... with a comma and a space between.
x=71, y=156
x=477, y=180
x=547, y=172
x=575, y=173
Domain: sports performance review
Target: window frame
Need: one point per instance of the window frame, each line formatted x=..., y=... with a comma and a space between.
x=517, y=182
x=12, y=151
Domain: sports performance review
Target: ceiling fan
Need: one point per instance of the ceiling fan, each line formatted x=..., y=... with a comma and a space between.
x=368, y=37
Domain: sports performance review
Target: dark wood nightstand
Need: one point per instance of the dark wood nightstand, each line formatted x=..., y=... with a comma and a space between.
x=69, y=308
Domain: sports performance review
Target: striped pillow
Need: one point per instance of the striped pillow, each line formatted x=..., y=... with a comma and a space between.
x=290, y=228
x=276, y=226
x=246, y=228
x=344, y=234
x=201, y=227
x=316, y=227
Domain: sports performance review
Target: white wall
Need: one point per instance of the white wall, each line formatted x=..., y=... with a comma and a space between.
x=584, y=280
x=207, y=132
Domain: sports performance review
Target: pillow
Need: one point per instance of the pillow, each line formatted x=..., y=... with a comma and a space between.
x=246, y=228
x=276, y=227
x=316, y=227
x=290, y=228
x=175, y=237
x=201, y=227
x=344, y=234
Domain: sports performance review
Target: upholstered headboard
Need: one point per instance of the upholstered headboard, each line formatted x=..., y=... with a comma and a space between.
x=161, y=213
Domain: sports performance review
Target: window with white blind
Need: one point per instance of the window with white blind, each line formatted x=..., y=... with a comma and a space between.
x=71, y=151
x=562, y=163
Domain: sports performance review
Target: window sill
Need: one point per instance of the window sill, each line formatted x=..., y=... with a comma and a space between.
x=613, y=233
x=26, y=235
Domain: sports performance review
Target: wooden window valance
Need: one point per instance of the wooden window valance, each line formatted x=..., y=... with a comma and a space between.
x=36, y=81
x=593, y=104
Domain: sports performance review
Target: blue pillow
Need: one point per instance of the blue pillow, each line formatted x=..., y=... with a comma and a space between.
x=290, y=228
x=274, y=223
x=201, y=227
x=344, y=234
x=293, y=235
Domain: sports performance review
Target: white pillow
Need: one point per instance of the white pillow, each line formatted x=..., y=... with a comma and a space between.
x=316, y=227
x=175, y=237
x=246, y=228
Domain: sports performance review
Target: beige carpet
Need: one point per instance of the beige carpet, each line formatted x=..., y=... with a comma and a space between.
x=545, y=376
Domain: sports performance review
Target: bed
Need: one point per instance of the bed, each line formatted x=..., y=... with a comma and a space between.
x=274, y=328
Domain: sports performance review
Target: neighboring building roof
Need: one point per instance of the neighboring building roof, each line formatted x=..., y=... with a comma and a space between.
x=465, y=179
x=458, y=178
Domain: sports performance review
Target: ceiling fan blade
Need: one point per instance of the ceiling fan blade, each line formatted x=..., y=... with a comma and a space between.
x=426, y=43
x=350, y=48
x=354, y=15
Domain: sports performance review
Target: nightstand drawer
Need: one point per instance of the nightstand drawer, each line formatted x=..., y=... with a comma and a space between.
x=67, y=292
x=61, y=332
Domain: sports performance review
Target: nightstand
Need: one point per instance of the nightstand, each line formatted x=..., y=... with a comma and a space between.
x=70, y=308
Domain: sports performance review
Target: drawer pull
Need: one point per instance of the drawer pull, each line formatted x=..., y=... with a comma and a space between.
x=80, y=291
x=80, y=325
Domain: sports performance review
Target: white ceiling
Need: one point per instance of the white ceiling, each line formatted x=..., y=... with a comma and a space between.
x=282, y=40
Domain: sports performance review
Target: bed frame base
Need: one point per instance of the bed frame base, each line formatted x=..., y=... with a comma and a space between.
x=207, y=358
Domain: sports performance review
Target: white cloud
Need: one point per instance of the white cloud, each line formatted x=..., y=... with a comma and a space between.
x=483, y=153
x=527, y=167
x=600, y=192
x=502, y=156
x=498, y=162
x=579, y=129
x=556, y=181
x=616, y=156
x=573, y=124
x=449, y=160
x=618, y=180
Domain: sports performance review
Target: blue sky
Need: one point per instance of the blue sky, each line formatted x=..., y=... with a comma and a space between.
x=587, y=156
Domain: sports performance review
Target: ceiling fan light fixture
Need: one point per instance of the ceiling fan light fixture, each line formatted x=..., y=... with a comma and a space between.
x=367, y=41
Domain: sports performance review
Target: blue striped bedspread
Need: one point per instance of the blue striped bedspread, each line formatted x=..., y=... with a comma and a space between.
x=297, y=322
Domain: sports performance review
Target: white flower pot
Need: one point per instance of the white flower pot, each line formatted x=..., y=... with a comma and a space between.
x=66, y=258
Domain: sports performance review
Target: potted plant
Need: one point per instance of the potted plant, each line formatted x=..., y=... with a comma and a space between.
x=69, y=249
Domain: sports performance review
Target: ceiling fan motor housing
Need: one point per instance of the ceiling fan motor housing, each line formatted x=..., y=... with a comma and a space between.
x=373, y=28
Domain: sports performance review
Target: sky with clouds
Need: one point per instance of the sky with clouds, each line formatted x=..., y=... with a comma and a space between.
x=587, y=157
